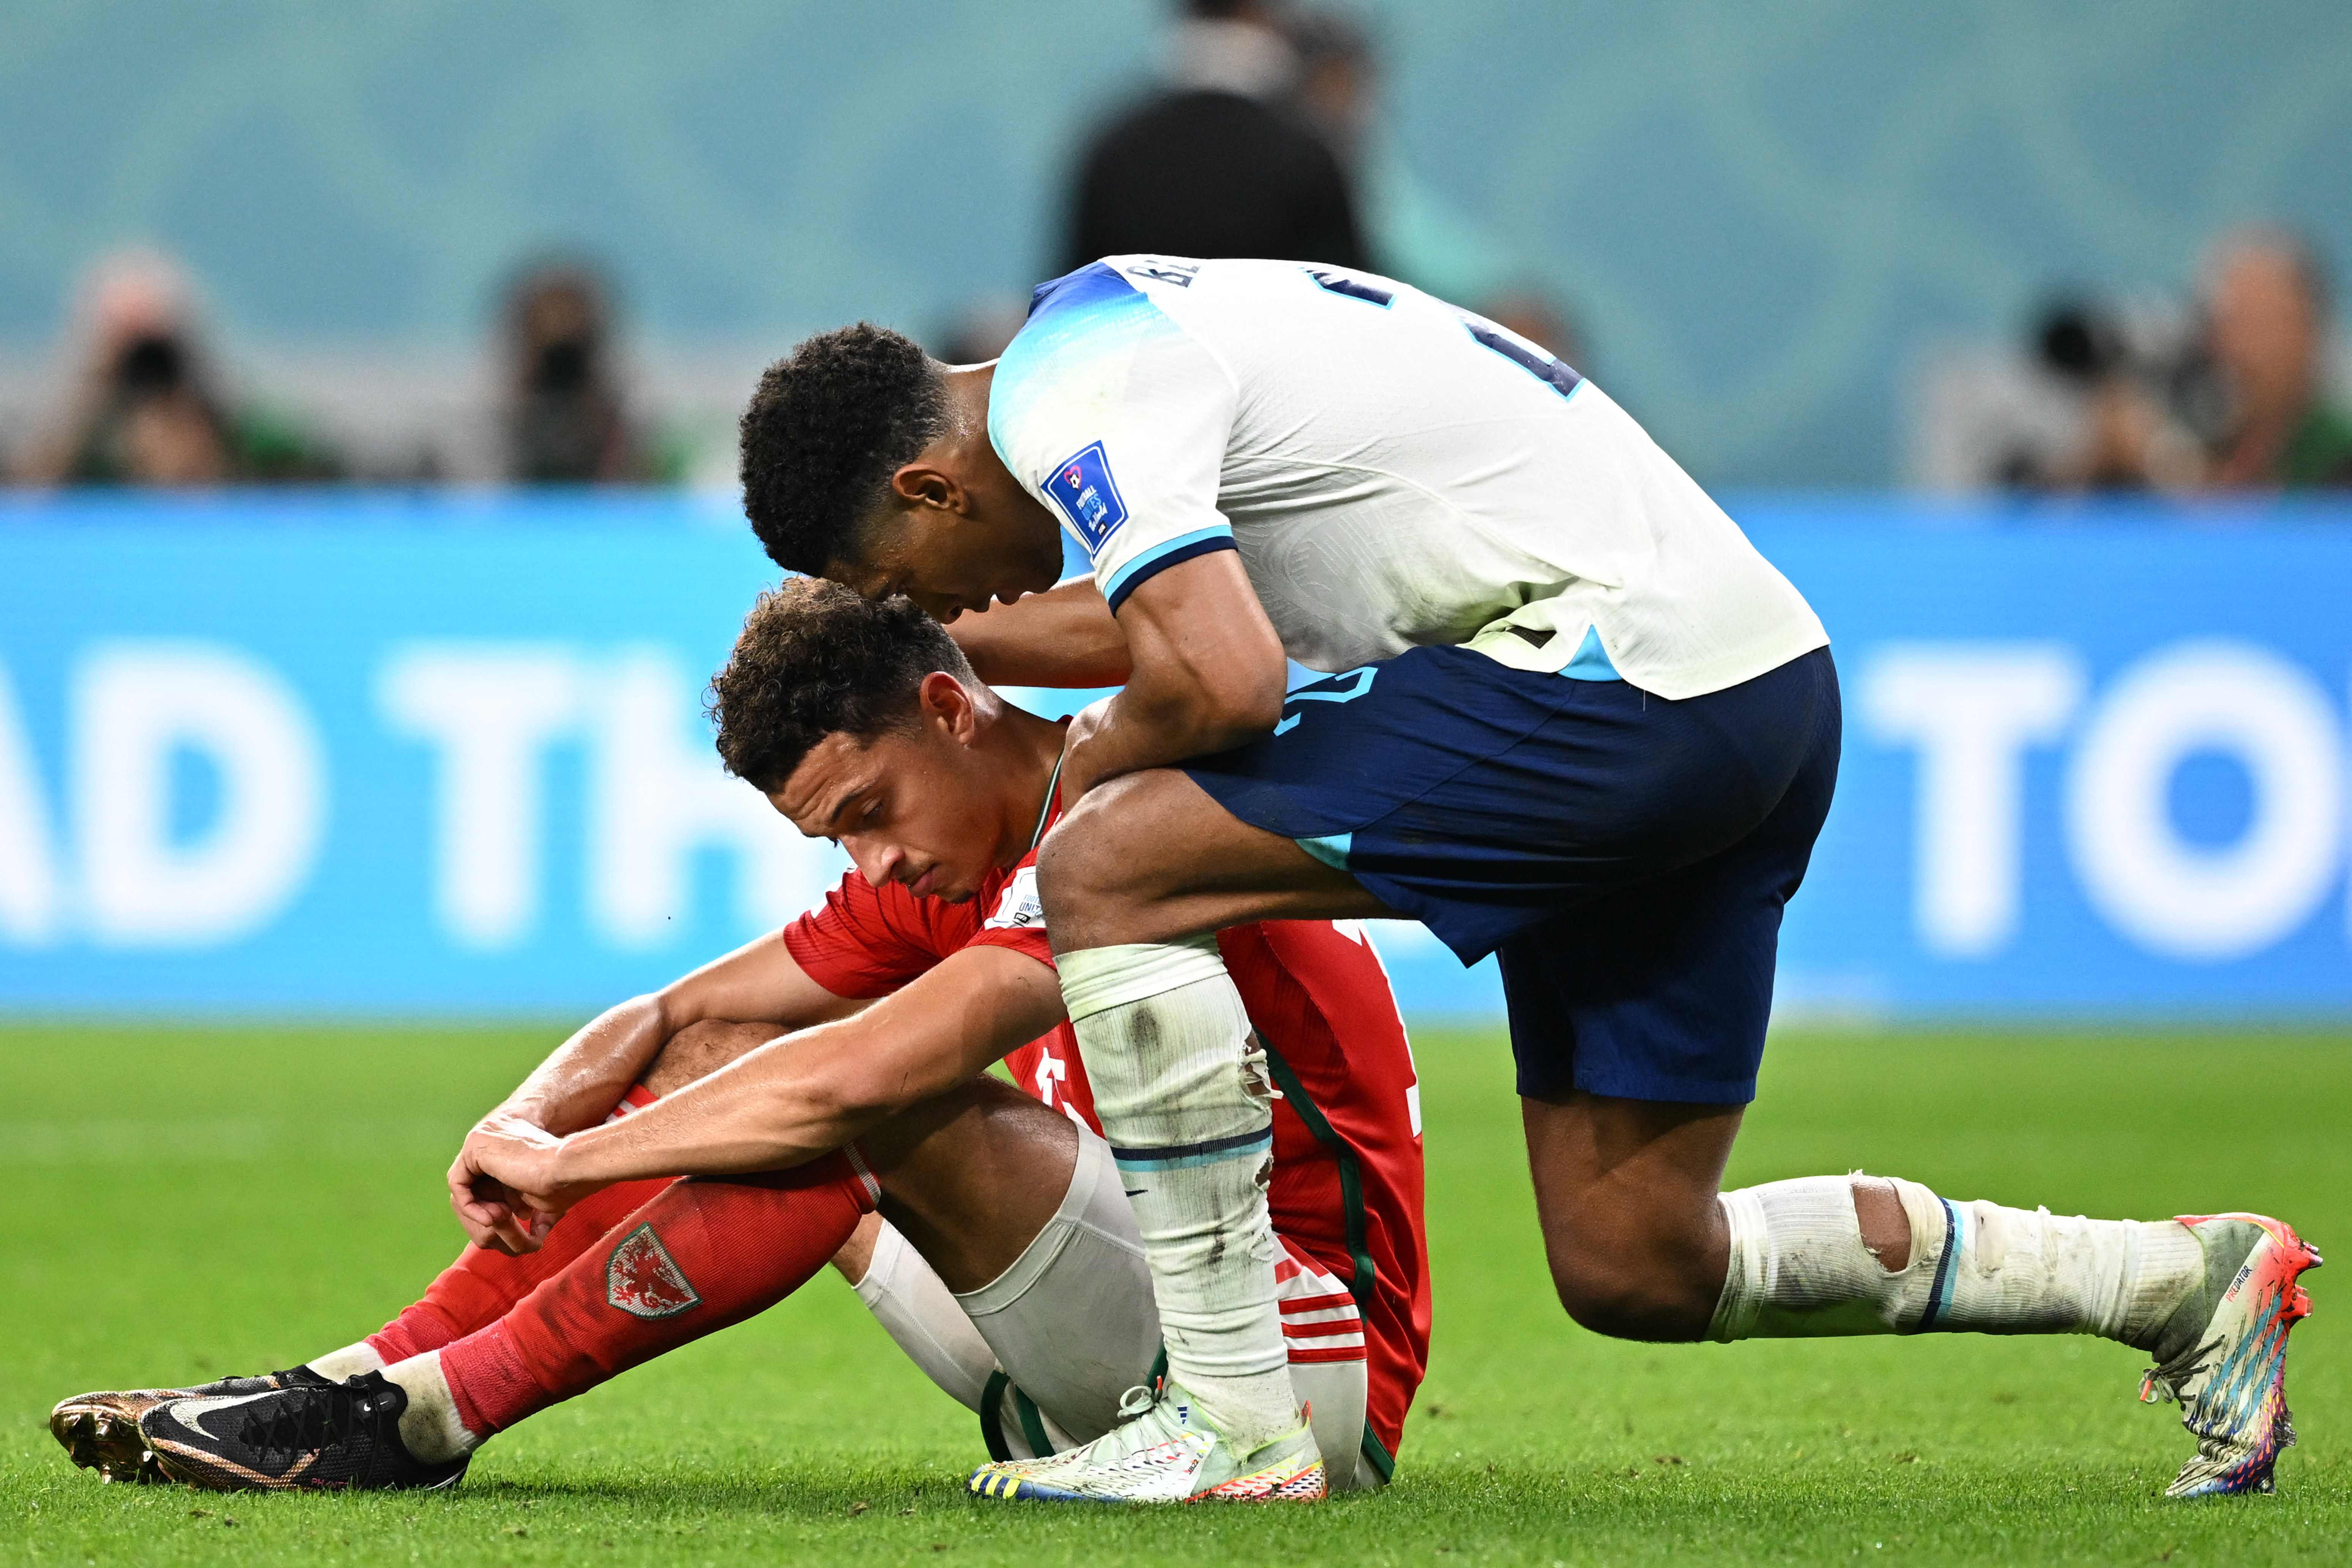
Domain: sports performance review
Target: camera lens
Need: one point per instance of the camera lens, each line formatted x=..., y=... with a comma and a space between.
x=562, y=367
x=152, y=364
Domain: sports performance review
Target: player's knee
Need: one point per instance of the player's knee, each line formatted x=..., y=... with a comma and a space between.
x=700, y=1049
x=1600, y=1293
x=1628, y=1288
x=1063, y=867
x=1080, y=868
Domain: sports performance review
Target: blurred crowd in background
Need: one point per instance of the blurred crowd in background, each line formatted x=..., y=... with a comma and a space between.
x=1254, y=145
x=145, y=400
x=2226, y=390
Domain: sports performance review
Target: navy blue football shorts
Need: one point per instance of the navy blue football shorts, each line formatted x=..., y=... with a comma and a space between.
x=1627, y=857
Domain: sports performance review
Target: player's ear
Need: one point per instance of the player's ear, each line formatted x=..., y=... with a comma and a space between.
x=920, y=484
x=945, y=699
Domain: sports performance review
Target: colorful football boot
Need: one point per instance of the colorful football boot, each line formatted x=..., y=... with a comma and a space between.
x=2222, y=1352
x=100, y=1431
x=1166, y=1450
x=342, y=1436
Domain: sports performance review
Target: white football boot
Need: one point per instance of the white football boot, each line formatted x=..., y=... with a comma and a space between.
x=2223, y=1354
x=1166, y=1450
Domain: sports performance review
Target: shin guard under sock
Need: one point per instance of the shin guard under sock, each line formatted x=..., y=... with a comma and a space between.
x=484, y=1282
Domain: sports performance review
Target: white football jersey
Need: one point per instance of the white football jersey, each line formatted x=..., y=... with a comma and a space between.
x=1395, y=472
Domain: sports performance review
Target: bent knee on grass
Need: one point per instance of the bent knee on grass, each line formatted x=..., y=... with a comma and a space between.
x=1626, y=1194
x=1633, y=1285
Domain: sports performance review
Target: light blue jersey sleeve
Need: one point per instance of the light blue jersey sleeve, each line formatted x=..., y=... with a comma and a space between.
x=1118, y=419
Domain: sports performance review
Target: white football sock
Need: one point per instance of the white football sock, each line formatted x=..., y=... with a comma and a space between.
x=429, y=1428
x=915, y=1305
x=1179, y=1084
x=1799, y=1267
x=349, y=1362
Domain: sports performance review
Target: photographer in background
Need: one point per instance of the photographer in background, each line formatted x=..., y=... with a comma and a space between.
x=566, y=420
x=2147, y=401
x=2266, y=301
x=147, y=407
x=2231, y=396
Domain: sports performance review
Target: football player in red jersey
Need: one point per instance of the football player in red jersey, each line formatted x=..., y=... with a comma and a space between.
x=822, y=1093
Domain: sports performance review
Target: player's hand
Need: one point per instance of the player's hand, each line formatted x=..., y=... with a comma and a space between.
x=501, y=1185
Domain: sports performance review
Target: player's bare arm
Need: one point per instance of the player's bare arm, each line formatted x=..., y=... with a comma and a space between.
x=797, y=1097
x=1208, y=674
x=579, y=1082
x=1065, y=636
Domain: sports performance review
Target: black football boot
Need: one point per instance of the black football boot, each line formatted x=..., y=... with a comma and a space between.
x=100, y=1431
x=329, y=1435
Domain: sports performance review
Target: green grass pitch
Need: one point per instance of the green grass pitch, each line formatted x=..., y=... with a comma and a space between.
x=183, y=1204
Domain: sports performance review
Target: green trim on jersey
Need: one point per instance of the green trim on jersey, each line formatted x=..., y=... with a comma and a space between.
x=1365, y=1274
x=1351, y=1181
x=1376, y=1455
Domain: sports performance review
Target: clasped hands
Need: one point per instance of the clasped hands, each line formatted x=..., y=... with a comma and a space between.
x=508, y=1183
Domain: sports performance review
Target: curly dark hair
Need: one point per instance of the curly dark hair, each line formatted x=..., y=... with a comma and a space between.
x=814, y=659
x=829, y=424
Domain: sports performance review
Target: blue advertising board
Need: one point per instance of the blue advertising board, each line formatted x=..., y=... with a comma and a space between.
x=396, y=755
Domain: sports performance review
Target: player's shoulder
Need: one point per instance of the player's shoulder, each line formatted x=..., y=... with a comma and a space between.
x=1116, y=294
x=1098, y=351
x=1140, y=293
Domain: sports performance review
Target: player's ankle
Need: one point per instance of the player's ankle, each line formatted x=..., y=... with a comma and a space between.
x=2168, y=1263
x=431, y=1428
x=348, y=1363
x=1250, y=1410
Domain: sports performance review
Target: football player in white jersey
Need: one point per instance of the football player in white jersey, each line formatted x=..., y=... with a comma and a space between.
x=1572, y=718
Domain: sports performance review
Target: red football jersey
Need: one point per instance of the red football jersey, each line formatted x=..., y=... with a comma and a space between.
x=1345, y=1193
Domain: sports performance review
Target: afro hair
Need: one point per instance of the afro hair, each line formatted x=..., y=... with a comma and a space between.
x=829, y=424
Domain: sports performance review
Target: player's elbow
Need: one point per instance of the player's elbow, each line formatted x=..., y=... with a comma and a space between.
x=1238, y=703
x=871, y=1092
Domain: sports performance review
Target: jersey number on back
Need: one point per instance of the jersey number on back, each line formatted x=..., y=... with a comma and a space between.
x=1544, y=367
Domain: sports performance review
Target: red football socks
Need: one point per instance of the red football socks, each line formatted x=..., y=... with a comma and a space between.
x=483, y=1284
x=479, y=1288
x=706, y=1252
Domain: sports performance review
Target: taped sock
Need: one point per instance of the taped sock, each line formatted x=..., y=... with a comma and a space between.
x=1799, y=1267
x=1180, y=1085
